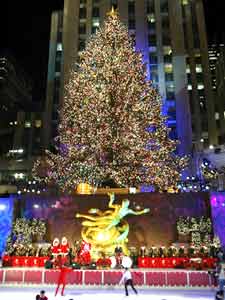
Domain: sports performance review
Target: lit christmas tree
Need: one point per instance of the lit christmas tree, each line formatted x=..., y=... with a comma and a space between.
x=111, y=126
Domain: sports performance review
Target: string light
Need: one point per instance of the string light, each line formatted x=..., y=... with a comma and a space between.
x=111, y=126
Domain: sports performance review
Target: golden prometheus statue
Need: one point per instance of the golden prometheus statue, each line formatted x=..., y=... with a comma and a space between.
x=106, y=230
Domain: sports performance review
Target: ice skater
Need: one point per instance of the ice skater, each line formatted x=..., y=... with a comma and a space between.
x=127, y=280
x=62, y=276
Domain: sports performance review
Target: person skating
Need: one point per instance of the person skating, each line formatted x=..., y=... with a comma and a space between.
x=62, y=275
x=127, y=280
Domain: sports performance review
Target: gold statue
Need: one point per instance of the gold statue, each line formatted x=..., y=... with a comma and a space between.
x=105, y=230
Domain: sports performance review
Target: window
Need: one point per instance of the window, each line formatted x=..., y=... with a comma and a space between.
x=151, y=18
x=164, y=6
x=200, y=77
x=170, y=91
x=95, y=12
x=82, y=28
x=150, y=6
x=59, y=47
x=198, y=68
x=166, y=38
x=165, y=23
x=170, y=87
x=152, y=39
x=81, y=46
x=200, y=86
x=204, y=124
x=152, y=49
x=37, y=123
x=184, y=2
x=154, y=73
x=114, y=3
x=188, y=70
x=169, y=77
x=217, y=116
x=133, y=39
x=59, y=35
x=172, y=114
x=56, y=95
x=167, y=50
x=27, y=124
x=131, y=8
x=58, y=65
x=195, y=27
x=168, y=59
x=83, y=12
x=173, y=133
x=155, y=78
x=168, y=68
x=151, y=26
x=153, y=58
x=186, y=42
x=170, y=95
x=131, y=24
x=95, y=22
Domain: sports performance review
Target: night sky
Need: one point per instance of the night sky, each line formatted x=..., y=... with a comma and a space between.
x=27, y=28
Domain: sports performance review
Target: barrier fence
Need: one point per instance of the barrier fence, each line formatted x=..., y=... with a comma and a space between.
x=146, y=277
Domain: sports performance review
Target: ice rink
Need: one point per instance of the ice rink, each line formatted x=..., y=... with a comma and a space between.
x=12, y=293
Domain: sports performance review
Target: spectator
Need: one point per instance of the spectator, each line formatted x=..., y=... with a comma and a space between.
x=219, y=295
x=42, y=295
x=220, y=256
x=221, y=277
x=49, y=263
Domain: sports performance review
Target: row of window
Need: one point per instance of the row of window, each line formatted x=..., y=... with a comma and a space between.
x=83, y=12
x=152, y=41
x=83, y=26
x=27, y=124
x=84, y=2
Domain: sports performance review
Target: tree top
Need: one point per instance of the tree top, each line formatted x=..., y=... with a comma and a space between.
x=113, y=13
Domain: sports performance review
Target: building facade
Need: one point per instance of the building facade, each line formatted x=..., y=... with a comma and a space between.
x=213, y=56
x=171, y=35
x=20, y=122
x=220, y=94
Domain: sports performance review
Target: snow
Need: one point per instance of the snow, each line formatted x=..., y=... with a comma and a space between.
x=12, y=293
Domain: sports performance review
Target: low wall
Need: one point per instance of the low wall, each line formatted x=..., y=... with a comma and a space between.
x=147, y=278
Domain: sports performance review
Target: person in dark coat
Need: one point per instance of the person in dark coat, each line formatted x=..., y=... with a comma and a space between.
x=127, y=280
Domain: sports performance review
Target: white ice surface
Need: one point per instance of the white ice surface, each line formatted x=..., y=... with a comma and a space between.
x=14, y=293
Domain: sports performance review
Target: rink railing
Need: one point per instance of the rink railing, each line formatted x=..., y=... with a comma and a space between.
x=147, y=277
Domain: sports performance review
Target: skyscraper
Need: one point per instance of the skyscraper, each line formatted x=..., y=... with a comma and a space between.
x=220, y=93
x=170, y=34
x=20, y=122
x=213, y=56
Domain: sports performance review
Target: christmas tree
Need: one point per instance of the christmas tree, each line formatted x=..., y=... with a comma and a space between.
x=111, y=126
